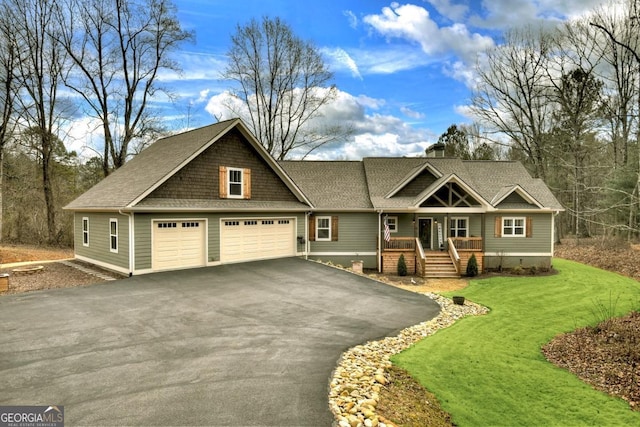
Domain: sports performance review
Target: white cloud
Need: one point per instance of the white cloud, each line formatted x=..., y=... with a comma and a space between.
x=446, y=8
x=204, y=95
x=413, y=23
x=410, y=113
x=353, y=19
x=340, y=60
x=84, y=136
x=462, y=72
x=504, y=14
x=390, y=60
x=374, y=134
x=195, y=66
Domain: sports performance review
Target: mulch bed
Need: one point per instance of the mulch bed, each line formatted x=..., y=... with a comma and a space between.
x=606, y=356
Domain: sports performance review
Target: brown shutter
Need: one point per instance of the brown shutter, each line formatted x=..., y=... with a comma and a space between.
x=246, y=181
x=223, y=182
x=529, y=226
x=334, y=228
x=498, y=227
x=312, y=228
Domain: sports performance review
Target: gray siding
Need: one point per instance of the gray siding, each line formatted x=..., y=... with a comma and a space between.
x=539, y=242
x=356, y=235
x=143, y=231
x=99, y=238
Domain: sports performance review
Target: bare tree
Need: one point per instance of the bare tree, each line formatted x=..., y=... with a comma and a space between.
x=621, y=75
x=118, y=48
x=632, y=47
x=40, y=69
x=282, y=85
x=512, y=95
x=8, y=83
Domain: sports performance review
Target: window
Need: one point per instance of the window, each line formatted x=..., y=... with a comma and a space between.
x=235, y=183
x=85, y=231
x=458, y=227
x=392, y=222
x=514, y=227
x=113, y=234
x=323, y=228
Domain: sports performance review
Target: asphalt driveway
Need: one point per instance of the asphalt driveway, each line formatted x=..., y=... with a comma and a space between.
x=244, y=344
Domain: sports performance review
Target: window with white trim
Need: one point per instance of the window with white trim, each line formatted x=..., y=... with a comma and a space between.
x=392, y=222
x=234, y=183
x=514, y=227
x=113, y=235
x=458, y=227
x=323, y=228
x=85, y=231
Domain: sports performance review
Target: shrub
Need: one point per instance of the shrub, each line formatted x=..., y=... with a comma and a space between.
x=472, y=266
x=402, y=266
x=517, y=270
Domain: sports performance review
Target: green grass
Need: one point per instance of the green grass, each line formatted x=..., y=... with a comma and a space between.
x=489, y=370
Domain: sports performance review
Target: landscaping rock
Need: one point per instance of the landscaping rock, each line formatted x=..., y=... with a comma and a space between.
x=360, y=374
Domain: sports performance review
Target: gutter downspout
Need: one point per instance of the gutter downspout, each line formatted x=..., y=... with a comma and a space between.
x=307, y=245
x=131, y=239
x=379, y=260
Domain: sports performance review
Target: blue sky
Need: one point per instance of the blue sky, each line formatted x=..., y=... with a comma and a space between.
x=404, y=70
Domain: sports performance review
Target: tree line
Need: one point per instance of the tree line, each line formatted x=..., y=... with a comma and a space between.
x=65, y=59
x=565, y=101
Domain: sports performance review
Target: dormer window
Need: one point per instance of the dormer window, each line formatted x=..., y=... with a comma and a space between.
x=235, y=183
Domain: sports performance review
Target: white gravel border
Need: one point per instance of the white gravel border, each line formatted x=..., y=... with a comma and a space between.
x=357, y=380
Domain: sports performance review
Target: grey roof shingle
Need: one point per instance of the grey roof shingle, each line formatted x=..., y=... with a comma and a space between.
x=339, y=185
x=147, y=169
x=328, y=185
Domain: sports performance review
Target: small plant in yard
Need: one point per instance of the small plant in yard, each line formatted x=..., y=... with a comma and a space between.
x=517, y=270
x=472, y=266
x=604, y=311
x=402, y=266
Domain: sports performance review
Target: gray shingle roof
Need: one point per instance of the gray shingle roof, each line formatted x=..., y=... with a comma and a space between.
x=148, y=168
x=331, y=185
x=365, y=185
x=328, y=185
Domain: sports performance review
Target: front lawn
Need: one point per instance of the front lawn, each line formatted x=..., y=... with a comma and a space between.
x=490, y=370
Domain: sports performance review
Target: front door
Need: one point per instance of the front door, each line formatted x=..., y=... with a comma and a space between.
x=425, y=232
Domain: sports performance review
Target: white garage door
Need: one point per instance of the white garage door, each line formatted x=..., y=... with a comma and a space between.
x=178, y=244
x=252, y=239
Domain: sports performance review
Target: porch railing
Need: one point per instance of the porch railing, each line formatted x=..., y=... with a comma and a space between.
x=400, y=244
x=420, y=258
x=453, y=253
x=466, y=243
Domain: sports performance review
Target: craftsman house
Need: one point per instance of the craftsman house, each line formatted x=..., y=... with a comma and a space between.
x=213, y=195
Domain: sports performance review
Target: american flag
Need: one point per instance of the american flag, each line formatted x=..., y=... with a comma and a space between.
x=387, y=232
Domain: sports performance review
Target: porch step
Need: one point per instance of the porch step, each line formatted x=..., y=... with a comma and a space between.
x=439, y=265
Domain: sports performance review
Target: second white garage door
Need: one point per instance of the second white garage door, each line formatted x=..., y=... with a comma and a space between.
x=253, y=239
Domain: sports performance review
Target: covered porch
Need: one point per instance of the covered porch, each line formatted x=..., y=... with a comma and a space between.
x=450, y=261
